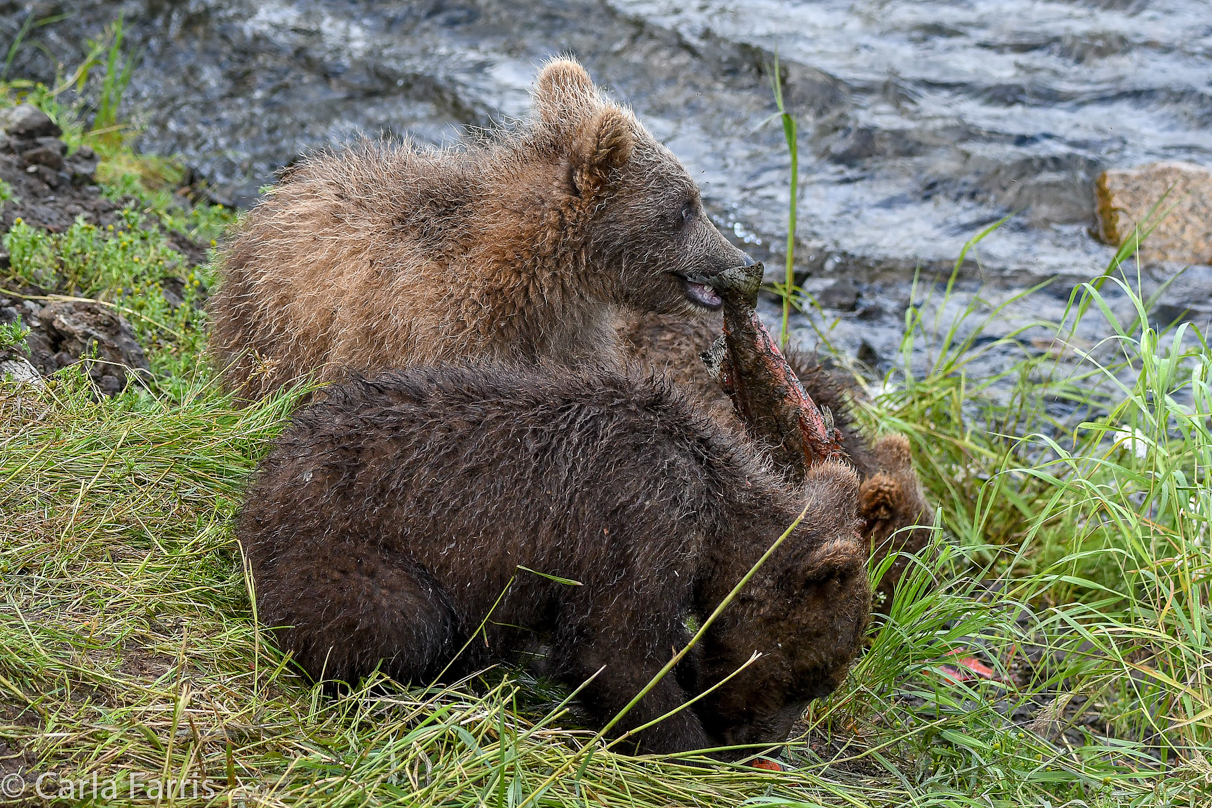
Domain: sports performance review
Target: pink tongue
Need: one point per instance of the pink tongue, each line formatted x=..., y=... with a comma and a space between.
x=704, y=294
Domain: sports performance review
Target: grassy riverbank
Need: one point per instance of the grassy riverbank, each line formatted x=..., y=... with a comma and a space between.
x=1074, y=559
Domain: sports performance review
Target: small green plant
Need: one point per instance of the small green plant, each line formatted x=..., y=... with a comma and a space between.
x=106, y=132
x=87, y=260
x=6, y=192
x=118, y=68
x=12, y=336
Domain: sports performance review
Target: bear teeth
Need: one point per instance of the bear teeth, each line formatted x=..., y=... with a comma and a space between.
x=703, y=295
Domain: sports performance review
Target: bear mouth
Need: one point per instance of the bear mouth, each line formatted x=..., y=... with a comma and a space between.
x=700, y=294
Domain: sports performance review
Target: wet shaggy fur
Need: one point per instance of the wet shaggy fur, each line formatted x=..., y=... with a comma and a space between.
x=514, y=247
x=390, y=517
x=891, y=500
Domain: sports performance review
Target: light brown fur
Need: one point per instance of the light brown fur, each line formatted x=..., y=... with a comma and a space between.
x=520, y=248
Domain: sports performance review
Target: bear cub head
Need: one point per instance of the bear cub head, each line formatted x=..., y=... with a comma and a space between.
x=649, y=243
x=809, y=605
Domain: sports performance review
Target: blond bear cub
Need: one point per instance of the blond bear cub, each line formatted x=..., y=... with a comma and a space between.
x=518, y=248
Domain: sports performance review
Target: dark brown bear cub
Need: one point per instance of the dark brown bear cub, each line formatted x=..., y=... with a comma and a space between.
x=390, y=517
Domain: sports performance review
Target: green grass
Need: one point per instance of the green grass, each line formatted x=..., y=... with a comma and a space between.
x=129, y=647
x=786, y=291
x=125, y=266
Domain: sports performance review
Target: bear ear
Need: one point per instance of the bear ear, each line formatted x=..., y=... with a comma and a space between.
x=837, y=560
x=878, y=497
x=605, y=143
x=563, y=93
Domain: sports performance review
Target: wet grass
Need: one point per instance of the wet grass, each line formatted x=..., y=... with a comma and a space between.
x=1072, y=557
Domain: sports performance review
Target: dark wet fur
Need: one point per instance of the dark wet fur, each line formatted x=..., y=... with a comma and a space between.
x=891, y=500
x=389, y=518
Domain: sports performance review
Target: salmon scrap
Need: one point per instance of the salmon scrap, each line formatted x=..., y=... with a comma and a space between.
x=767, y=396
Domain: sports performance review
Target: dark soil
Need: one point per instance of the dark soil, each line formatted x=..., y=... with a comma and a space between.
x=16, y=761
x=51, y=190
x=64, y=332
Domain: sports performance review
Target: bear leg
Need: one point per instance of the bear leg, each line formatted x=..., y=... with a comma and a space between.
x=352, y=609
x=625, y=671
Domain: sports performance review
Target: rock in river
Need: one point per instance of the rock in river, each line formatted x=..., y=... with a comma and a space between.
x=1125, y=197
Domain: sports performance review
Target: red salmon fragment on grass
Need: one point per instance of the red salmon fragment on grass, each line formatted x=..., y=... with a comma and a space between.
x=969, y=669
x=767, y=764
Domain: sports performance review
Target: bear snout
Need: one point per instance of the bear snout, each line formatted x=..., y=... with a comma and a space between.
x=707, y=253
x=774, y=727
x=728, y=256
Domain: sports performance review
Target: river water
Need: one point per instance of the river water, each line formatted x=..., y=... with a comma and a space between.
x=921, y=121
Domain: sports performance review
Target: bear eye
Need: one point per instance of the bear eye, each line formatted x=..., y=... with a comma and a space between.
x=688, y=212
